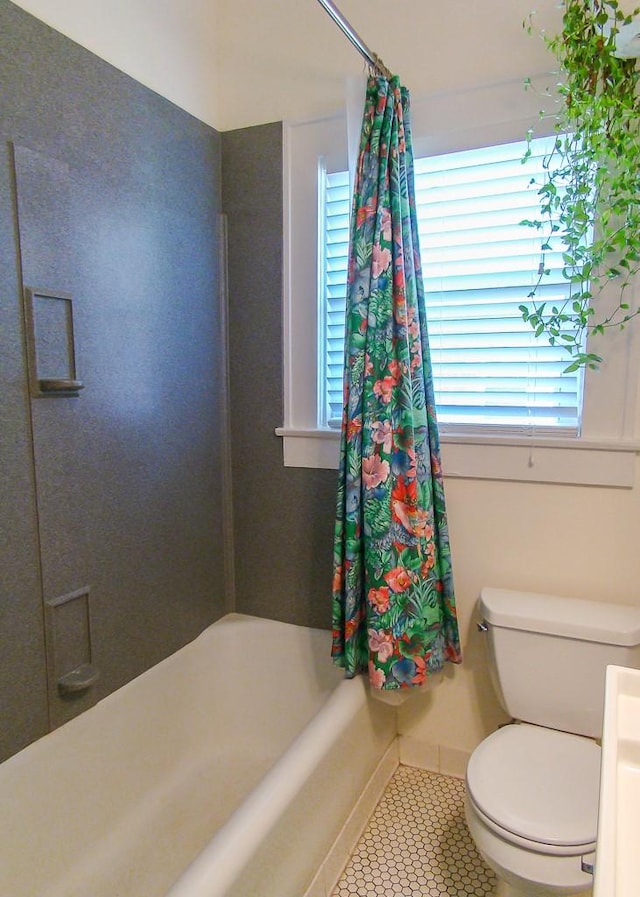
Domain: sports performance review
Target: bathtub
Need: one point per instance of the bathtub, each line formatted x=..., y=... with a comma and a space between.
x=227, y=769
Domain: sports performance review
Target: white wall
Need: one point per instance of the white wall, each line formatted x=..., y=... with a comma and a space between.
x=235, y=63
x=167, y=45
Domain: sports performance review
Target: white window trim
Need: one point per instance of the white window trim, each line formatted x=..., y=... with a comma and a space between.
x=605, y=452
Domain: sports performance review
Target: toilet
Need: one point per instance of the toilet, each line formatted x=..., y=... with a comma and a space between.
x=533, y=785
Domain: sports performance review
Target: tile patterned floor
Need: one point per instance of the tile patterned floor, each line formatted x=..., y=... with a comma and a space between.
x=417, y=844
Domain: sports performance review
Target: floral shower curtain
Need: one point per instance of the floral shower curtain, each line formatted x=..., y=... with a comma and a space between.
x=393, y=601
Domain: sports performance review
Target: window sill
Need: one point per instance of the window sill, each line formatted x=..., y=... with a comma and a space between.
x=535, y=459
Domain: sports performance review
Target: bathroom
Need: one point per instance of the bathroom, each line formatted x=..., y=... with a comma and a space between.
x=172, y=510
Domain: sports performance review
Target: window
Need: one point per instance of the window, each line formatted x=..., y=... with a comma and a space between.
x=479, y=263
x=335, y=203
x=604, y=450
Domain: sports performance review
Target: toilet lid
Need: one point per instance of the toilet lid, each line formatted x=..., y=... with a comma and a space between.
x=539, y=784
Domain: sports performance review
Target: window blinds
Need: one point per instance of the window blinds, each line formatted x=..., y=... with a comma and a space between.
x=335, y=249
x=479, y=264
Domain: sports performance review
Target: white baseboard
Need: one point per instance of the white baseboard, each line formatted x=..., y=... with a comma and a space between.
x=433, y=757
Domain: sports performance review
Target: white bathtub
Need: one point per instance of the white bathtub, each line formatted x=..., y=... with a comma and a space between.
x=227, y=769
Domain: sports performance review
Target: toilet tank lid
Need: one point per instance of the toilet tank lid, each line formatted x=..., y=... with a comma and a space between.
x=593, y=621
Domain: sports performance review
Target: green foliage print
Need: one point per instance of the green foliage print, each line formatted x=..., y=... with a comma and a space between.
x=394, y=612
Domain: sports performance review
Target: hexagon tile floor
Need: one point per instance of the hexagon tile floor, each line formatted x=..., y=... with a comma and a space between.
x=417, y=844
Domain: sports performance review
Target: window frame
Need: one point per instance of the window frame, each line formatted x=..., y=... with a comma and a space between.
x=459, y=413
x=604, y=451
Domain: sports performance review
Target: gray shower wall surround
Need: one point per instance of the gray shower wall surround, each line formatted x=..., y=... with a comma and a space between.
x=111, y=516
x=283, y=516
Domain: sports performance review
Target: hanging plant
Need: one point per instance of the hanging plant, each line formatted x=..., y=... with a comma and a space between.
x=590, y=197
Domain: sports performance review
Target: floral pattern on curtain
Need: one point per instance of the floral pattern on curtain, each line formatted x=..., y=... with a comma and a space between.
x=393, y=601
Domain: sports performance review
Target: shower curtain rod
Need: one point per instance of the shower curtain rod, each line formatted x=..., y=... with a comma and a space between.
x=374, y=61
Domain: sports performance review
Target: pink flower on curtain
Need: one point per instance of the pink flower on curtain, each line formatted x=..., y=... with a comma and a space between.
x=379, y=598
x=382, y=434
x=395, y=370
x=381, y=643
x=374, y=471
x=376, y=677
x=398, y=579
x=385, y=225
x=380, y=261
x=384, y=389
x=428, y=563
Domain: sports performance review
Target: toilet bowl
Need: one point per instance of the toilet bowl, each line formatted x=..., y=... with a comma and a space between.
x=533, y=786
x=532, y=807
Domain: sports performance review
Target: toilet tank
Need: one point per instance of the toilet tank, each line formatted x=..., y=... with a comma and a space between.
x=548, y=655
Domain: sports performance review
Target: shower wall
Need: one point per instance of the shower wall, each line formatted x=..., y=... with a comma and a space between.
x=283, y=516
x=112, y=512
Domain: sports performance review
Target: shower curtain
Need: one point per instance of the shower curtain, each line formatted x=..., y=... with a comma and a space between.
x=393, y=601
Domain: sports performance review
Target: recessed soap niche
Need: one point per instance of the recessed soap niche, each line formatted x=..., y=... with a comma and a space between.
x=50, y=344
x=69, y=653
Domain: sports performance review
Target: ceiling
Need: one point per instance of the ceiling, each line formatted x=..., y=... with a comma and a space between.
x=235, y=63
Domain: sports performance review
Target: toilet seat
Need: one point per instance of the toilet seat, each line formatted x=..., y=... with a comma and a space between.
x=538, y=788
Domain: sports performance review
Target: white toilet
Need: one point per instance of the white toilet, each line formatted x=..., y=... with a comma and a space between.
x=533, y=786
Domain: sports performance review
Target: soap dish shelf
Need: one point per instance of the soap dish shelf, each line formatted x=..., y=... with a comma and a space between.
x=78, y=680
x=57, y=386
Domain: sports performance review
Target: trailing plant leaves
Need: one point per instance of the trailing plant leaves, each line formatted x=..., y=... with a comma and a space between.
x=590, y=201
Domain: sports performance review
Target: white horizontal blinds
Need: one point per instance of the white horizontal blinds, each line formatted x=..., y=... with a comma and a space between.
x=479, y=264
x=337, y=205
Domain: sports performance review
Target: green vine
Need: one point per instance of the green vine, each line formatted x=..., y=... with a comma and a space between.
x=590, y=198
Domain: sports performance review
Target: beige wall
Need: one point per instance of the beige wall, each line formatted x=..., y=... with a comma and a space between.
x=570, y=540
x=242, y=62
